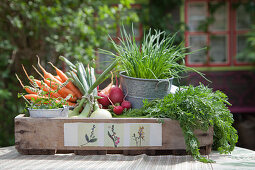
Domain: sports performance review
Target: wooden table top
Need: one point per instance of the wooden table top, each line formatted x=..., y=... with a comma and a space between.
x=10, y=159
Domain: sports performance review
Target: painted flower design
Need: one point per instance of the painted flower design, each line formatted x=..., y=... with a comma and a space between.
x=91, y=138
x=141, y=132
x=140, y=137
x=113, y=136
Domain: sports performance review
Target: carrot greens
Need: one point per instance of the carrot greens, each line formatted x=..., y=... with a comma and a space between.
x=195, y=108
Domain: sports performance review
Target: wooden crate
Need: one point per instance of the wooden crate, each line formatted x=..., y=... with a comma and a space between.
x=67, y=135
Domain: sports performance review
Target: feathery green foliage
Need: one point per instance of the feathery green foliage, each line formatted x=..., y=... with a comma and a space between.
x=195, y=108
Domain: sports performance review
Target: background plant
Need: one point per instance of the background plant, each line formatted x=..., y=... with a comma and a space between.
x=248, y=53
x=49, y=28
x=195, y=108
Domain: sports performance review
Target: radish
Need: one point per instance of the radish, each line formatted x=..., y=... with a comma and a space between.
x=104, y=101
x=118, y=110
x=116, y=94
x=126, y=104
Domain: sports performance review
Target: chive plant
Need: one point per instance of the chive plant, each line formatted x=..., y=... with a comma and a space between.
x=157, y=58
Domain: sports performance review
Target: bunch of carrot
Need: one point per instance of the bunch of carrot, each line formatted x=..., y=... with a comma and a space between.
x=58, y=86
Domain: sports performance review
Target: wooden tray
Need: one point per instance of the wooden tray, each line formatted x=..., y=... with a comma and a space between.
x=68, y=135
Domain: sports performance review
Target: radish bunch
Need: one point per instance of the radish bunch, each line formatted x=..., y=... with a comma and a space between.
x=113, y=97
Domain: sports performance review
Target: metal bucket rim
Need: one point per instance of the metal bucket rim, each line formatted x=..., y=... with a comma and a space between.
x=64, y=107
x=140, y=79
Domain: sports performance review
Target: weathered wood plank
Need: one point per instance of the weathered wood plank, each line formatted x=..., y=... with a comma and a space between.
x=48, y=134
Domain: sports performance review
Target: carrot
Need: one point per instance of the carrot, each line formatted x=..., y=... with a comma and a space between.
x=71, y=103
x=63, y=91
x=44, y=87
x=70, y=85
x=30, y=96
x=46, y=74
x=58, y=78
x=28, y=89
x=26, y=73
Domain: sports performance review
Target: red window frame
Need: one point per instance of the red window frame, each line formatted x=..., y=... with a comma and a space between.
x=235, y=35
x=231, y=34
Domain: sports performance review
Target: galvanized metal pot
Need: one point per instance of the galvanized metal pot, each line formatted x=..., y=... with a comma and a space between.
x=136, y=89
x=61, y=112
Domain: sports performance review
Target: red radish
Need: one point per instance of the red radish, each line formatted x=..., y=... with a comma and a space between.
x=118, y=110
x=104, y=101
x=116, y=95
x=126, y=104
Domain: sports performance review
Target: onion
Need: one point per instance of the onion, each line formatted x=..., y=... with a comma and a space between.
x=101, y=114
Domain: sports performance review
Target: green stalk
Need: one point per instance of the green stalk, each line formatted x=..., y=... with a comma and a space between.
x=101, y=78
x=93, y=80
x=82, y=76
x=86, y=111
x=67, y=61
x=77, y=109
x=77, y=82
x=71, y=65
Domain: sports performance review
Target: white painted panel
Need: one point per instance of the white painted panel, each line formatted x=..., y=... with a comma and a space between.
x=156, y=134
x=71, y=134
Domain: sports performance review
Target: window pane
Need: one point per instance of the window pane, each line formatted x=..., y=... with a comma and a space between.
x=218, y=49
x=220, y=18
x=241, y=45
x=197, y=42
x=243, y=19
x=196, y=15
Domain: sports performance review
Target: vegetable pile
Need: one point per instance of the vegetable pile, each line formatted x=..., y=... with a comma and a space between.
x=84, y=79
x=195, y=108
x=77, y=88
x=113, y=98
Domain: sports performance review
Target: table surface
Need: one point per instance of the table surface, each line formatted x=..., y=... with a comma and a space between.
x=240, y=158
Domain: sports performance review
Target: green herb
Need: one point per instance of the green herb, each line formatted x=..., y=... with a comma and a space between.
x=195, y=108
x=158, y=57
